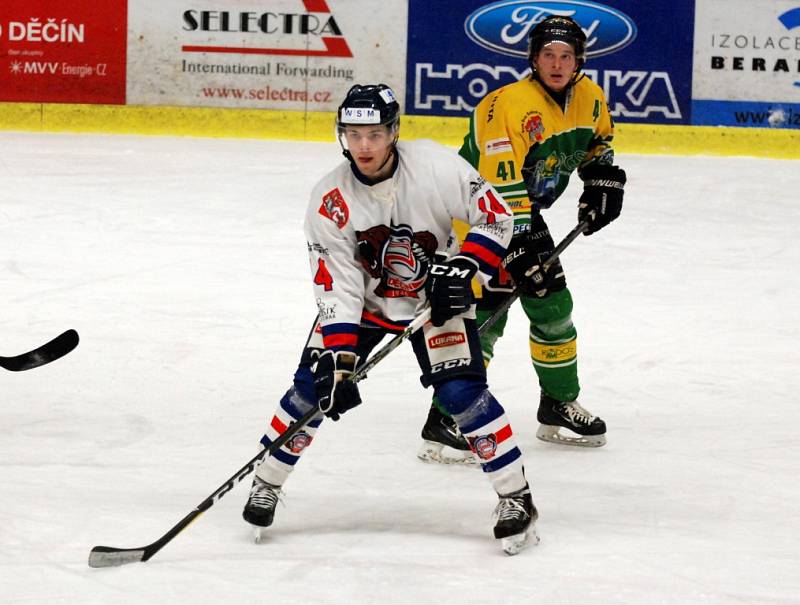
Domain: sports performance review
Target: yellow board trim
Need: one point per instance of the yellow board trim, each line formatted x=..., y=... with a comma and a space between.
x=180, y=121
x=318, y=126
x=554, y=353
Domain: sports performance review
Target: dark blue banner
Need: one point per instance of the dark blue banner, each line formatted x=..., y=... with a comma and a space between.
x=640, y=53
x=756, y=114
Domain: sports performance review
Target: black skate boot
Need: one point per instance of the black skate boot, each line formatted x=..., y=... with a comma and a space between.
x=260, y=508
x=589, y=431
x=516, y=521
x=443, y=442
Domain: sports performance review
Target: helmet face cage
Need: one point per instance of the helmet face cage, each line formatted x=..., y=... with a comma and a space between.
x=558, y=29
x=368, y=105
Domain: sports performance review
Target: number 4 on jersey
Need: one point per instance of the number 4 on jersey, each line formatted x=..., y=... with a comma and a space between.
x=494, y=208
x=323, y=277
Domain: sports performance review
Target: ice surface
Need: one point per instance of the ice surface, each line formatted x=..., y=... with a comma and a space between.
x=182, y=264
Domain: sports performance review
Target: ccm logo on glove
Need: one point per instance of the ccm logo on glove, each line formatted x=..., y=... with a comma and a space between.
x=449, y=289
x=452, y=271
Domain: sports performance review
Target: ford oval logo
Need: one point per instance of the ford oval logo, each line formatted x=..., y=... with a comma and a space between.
x=504, y=26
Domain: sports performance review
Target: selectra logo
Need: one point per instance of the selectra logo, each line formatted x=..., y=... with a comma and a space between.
x=316, y=22
x=504, y=26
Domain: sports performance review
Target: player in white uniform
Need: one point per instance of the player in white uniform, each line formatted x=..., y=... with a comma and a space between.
x=378, y=229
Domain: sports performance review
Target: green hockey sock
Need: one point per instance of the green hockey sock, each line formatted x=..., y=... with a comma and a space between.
x=553, y=345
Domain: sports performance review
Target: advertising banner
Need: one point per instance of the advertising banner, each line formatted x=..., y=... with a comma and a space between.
x=282, y=54
x=63, y=51
x=640, y=54
x=747, y=63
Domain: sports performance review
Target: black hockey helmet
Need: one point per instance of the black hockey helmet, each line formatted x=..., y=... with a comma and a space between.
x=558, y=29
x=368, y=104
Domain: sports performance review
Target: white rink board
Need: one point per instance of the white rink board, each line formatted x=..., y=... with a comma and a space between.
x=260, y=74
x=751, y=46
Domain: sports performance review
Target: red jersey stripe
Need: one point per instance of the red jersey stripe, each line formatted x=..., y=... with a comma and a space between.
x=340, y=340
x=490, y=258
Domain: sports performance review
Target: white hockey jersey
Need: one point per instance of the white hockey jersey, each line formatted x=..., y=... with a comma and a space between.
x=370, y=246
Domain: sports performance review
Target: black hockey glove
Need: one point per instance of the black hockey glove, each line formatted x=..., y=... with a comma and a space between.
x=335, y=393
x=601, y=201
x=449, y=288
x=523, y=262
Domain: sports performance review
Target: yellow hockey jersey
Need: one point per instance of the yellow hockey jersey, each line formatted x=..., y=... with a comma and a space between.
x=526, y=145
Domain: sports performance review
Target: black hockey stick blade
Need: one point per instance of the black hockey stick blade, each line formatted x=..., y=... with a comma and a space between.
x=56, y=348
x=108, y=556
x=111, y=556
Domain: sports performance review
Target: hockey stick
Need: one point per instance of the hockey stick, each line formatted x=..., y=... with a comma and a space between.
x=419, y=321
x=506, y=304
x=58, y=347
x=109, y=556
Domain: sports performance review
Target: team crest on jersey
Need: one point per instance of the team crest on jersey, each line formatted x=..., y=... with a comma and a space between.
x=544, y=181
x=485, y=446
x=299, y=442
x=335, y=208
x=533, y=125
x=398, y=257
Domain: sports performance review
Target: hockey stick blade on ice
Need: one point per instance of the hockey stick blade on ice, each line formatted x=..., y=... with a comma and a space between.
x=56, y=348
x=110, y=556
x=506, y=304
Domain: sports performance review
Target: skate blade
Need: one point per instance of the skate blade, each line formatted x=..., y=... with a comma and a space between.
x=431, y=451
x=513, y=545
x=552, y=434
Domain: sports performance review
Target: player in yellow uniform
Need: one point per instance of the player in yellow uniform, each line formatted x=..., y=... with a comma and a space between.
x=526, y=139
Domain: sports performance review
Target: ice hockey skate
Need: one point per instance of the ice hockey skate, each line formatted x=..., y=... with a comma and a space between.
x=442, y=442
x=568, y=423
x=516, y=521
x=260, y=508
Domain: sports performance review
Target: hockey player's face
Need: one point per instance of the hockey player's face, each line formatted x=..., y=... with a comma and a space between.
x=370, y=147
x=556, y=63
